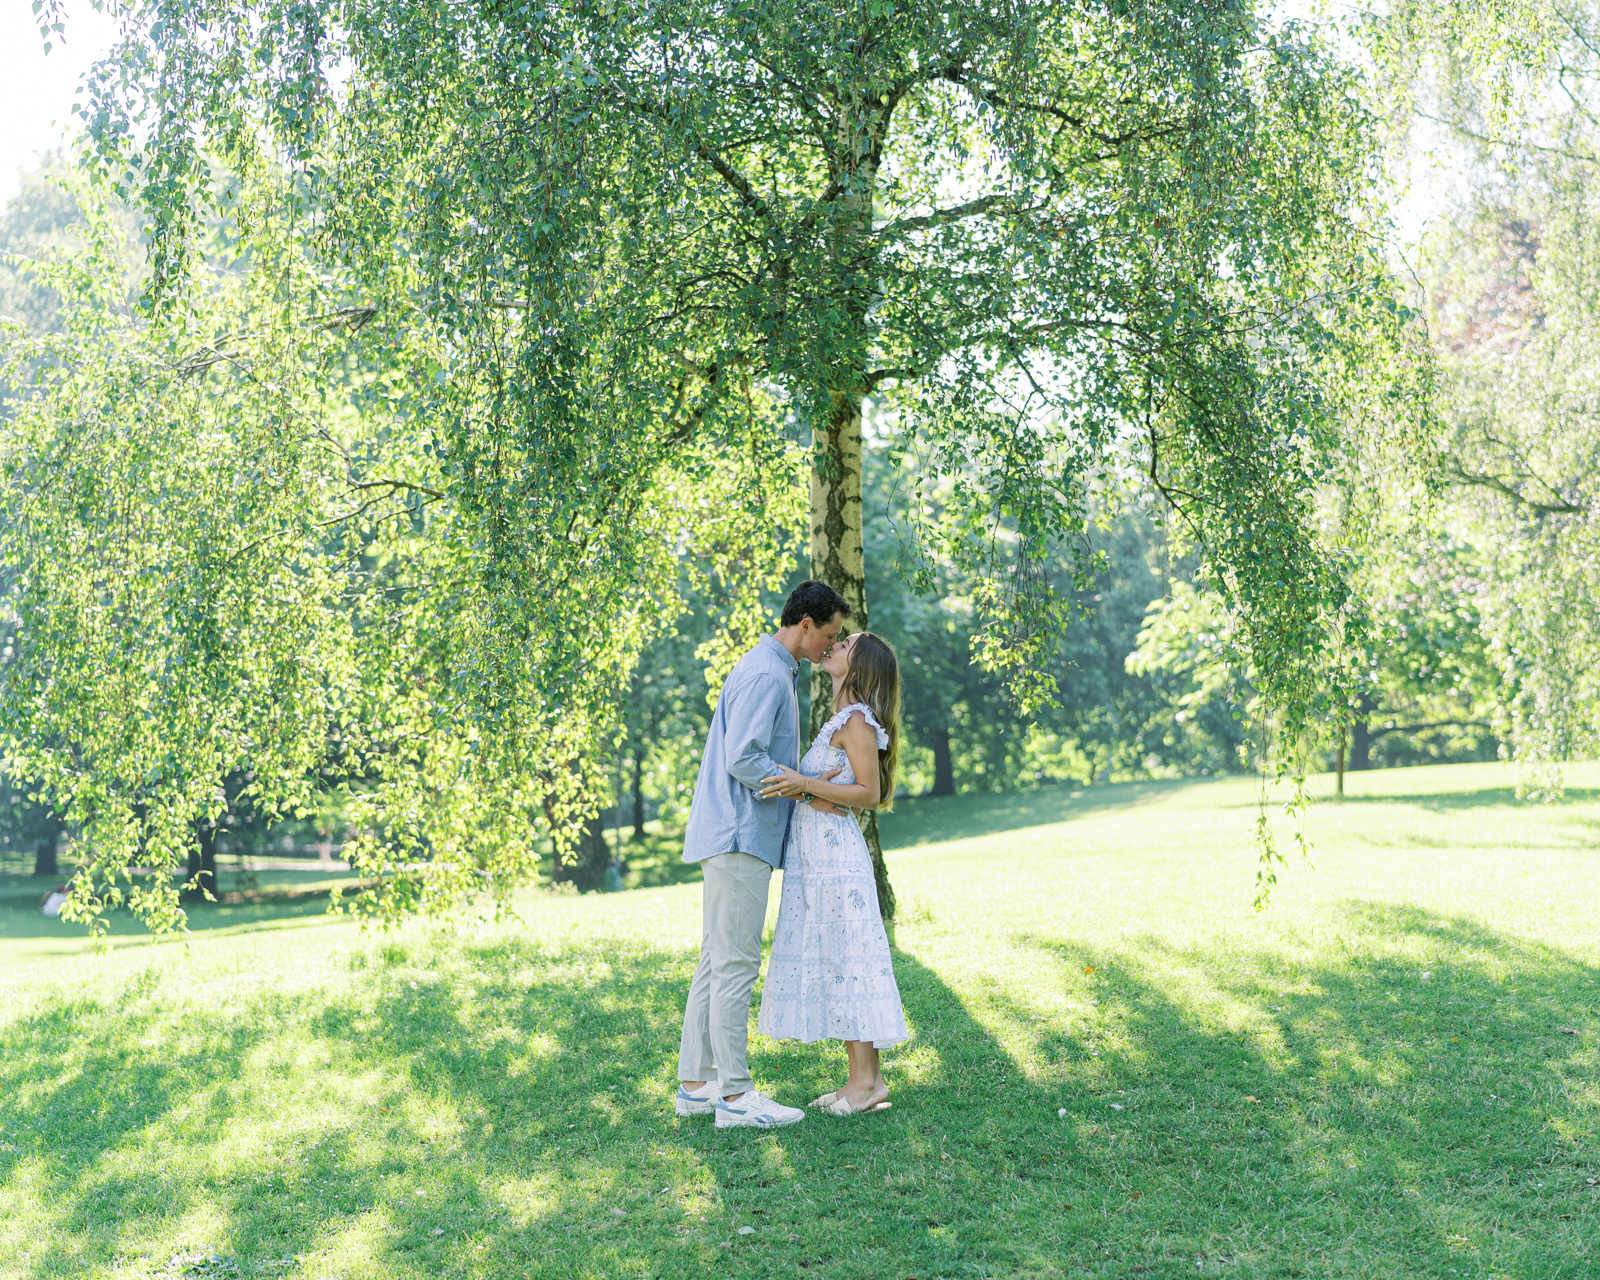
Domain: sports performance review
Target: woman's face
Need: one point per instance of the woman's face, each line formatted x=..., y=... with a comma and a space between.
x=836, y=662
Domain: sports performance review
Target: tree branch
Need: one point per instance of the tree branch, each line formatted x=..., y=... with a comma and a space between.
x=1487, y=141
x=393, y=485
x=957, y=75
x=739, y=183
x=1016, y=338
x=1431, y=724
x=736, y=180
x=940, y=217
x=1461, y=476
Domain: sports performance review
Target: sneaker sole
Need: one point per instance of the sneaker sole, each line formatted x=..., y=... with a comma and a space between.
x=763, y=1123
x=687, y=1109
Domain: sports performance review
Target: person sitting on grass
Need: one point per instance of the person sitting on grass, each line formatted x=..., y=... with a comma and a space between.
x=831, y=975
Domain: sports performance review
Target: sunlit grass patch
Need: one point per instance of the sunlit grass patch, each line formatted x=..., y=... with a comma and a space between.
x=1115, y=1069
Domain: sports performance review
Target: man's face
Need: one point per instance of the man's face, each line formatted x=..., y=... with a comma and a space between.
x=816, y=641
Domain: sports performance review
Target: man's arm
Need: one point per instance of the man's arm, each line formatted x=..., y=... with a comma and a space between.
x=752, y=723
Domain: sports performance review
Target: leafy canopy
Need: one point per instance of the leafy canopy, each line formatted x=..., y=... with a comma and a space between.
x=547, y=295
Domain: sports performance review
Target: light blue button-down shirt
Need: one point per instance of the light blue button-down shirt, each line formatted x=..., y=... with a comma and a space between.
x=755, y=725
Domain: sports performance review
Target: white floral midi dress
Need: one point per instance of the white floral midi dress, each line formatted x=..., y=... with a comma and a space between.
x=830, y=976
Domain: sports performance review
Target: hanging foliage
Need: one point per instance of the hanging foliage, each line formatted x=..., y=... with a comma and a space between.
x=568, y=285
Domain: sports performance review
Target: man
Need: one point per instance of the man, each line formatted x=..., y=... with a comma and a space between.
x=737, y=836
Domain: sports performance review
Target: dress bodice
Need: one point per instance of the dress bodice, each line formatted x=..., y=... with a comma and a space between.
x=823, y=755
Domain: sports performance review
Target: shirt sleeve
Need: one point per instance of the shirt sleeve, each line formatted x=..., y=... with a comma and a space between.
x=752, y=723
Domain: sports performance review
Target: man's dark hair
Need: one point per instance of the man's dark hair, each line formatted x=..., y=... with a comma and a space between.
x=815, y=600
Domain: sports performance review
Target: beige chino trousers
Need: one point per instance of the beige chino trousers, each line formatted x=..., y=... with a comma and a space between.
x=716, y=1022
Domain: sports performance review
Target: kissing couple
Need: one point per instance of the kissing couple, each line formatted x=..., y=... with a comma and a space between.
x=758, y=806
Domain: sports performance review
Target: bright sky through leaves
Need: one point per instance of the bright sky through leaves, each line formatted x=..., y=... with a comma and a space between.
x=36, y=88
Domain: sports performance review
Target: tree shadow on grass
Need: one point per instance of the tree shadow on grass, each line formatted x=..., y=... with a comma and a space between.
x=1427, y=1092
x=78, y=1087
x=1456, y=801
x=26, y=924
x=510, y=1096
x=486, y=1108
x=934, y=820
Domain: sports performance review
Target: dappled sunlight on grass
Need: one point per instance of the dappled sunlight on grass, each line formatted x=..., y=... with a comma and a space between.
x=1114, y=1069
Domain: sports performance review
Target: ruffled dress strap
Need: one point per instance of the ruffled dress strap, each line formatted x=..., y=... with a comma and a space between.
x=843, y=714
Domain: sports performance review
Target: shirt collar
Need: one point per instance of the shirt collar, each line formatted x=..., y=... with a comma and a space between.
x=789, y=659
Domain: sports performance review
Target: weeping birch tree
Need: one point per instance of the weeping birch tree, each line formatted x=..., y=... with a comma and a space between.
x=1512, y=278
x=1041, y=240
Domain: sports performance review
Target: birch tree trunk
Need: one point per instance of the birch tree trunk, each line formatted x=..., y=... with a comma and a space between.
x=836, y=545
x=837, y=559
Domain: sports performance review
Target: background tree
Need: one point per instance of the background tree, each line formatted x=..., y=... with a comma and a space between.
x=1510, y=286
x=1427, y=686
x=42, y=216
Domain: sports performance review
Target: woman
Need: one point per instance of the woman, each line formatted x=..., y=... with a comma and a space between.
x=830, y=975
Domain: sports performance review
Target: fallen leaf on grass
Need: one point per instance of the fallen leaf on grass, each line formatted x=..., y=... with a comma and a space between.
x=944, y=1155
x=849, y=1166
x=1248, y=1098
x=437, y=1231
x=747, y=1231
x=1088, y=968
x=1133, y=1195
x=1568, y=1031
x=793, y=1238
x=1115, y=1106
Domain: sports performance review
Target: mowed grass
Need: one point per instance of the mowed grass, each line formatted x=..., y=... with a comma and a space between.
x=1116, y=1069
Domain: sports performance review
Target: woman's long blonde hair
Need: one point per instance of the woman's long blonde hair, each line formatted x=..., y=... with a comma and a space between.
x=874, y=678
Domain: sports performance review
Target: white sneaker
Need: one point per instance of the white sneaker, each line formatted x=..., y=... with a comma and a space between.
x=696, y=1102
x=755, y=1110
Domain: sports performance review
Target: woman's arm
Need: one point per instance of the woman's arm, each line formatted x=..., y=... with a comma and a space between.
x=817, y=802
x=860, y=743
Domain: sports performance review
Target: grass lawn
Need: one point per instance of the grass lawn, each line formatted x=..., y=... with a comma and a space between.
x=1115, y=1068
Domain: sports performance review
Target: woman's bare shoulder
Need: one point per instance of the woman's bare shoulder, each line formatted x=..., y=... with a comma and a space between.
x=857, y=727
